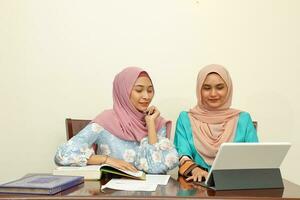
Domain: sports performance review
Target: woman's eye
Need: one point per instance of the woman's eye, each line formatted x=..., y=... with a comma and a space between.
x=220, y=87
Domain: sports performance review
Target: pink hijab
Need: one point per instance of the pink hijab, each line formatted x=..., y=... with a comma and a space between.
x=212, y=127
x=124, y=120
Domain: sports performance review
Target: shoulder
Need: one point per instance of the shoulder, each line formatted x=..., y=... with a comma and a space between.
x=183, y=119
x=244, y=116
x=96, y=128
x=183, y=115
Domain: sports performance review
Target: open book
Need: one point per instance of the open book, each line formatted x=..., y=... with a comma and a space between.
x=94, y=172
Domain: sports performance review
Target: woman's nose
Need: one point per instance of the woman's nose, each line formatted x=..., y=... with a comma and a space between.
x=213, y=92
x=145, y=95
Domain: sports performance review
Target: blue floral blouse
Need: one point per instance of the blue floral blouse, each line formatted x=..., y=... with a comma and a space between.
x=151, y=158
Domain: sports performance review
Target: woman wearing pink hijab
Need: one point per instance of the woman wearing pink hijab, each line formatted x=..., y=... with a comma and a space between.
x=200, y=131
x=131, y=135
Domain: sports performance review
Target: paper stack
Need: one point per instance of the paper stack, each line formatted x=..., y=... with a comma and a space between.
x=150, y=184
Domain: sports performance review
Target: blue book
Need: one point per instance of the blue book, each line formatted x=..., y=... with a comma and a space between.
x=41, y=184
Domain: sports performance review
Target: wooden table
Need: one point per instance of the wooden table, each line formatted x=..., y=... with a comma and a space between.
x=175, y=189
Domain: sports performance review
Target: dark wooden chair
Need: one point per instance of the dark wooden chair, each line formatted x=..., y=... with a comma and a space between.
x=73, y=126
x=255, y=124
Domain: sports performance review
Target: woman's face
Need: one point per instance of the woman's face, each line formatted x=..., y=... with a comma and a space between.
x=214, y=91
x=142, y=93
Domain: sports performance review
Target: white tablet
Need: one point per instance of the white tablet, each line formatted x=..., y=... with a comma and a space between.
x=249, y=156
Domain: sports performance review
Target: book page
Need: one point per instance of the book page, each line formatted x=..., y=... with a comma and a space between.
x=84, y=168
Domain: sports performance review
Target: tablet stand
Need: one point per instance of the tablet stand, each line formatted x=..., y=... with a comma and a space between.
x=235, y=179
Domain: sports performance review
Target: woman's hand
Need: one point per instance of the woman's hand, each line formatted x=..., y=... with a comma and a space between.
x=120, y=164
x=198, y=174
x=152, y=113
x=104, y=159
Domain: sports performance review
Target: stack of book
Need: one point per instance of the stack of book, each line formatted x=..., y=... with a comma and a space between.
x=41, y=184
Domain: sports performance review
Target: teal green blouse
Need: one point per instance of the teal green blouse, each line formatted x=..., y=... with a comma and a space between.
x=184, y=142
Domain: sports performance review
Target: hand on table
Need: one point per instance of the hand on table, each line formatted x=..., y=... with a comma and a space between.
x=197, y=175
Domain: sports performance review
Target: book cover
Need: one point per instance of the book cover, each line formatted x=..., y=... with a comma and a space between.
x=41, y=184
x=94, y=172
x=129, y=174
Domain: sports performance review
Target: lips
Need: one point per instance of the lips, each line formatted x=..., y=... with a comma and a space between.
x=213, y=100
x=144, y=104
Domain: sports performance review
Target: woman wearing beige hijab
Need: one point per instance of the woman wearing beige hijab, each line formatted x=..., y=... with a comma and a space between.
x=200, y=131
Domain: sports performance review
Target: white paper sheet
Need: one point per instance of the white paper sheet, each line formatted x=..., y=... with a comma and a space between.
x=149, y=184
x=130, y=185
x=157, y=179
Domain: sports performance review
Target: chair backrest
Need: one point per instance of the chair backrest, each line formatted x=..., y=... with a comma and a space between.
x=73, y=126
x=255, y=124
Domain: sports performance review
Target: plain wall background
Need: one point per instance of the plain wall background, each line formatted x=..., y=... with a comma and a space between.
x=58, y=59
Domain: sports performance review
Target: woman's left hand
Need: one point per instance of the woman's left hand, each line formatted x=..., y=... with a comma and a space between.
x=198, y=174
x=152, y=113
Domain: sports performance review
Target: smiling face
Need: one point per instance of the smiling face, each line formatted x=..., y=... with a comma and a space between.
x=214, y=91
x=142, y=93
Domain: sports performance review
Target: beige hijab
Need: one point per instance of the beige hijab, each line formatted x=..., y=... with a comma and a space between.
x=212, y=126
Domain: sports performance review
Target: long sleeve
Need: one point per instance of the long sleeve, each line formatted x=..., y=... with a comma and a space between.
x=184, y=141
x=78, y=149
x=181, y=140
x=156, y=158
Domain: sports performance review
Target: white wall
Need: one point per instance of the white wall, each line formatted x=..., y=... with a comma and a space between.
x=58, y=59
